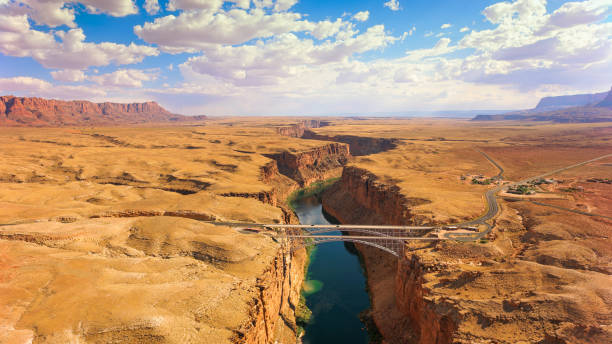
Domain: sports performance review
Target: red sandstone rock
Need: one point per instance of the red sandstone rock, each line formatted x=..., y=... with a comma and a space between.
x=24, y=111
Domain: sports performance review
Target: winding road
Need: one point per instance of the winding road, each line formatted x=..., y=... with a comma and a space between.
x=493, y=205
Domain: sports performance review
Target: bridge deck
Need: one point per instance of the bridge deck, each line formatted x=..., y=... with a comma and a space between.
x=361, y=237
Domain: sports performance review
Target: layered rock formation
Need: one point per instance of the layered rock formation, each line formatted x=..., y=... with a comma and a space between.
x=510, y=292
x=559, y=102
x=320, y=163
x=297, y=130
x=359, y=145
x=24, y=111
x=371, y=200
x=580, y=108
x=567, y=115
x=607, y=101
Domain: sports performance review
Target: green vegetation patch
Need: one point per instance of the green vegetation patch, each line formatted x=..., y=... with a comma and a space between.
x=483, y=181
x=314, y=189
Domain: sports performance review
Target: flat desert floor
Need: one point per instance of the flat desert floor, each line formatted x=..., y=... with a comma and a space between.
x=104, y=237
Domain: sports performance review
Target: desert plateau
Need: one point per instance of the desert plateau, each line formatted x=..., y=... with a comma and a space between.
x=112, y=229
x=305, y=172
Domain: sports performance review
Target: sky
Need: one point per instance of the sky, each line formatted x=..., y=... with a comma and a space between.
x=306, y=57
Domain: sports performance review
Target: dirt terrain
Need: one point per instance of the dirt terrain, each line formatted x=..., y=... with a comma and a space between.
x=103, y=239
x=543, y=273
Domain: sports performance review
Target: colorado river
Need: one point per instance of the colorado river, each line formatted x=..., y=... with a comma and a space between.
x=335, y=287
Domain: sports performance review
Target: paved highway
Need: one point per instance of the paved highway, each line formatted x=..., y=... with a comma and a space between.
x=493, y=205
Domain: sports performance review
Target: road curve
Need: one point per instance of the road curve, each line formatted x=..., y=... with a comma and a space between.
x=493, y=205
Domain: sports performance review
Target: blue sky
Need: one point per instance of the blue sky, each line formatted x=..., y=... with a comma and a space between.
x=306, y=57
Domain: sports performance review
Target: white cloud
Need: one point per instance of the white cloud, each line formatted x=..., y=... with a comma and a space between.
x=283, y=57
x=195, y=30
x=393, y=5
x=284, y=5
x=123, y=78
x=576, y=13
x=441, y=48
x=428, y=34
x=151, y=6
x=362, y=16
x=258, y=57
x=17, y=38
x=212, y=5
x=55, y=13
x=445, y=26
x=68, y=75
x=28, y=86
x=116, y=8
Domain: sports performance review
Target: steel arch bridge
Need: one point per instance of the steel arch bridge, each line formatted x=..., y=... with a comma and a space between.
x=390, y=239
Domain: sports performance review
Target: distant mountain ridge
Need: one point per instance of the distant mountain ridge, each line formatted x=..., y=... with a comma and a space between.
x=559, y=102
x=580, y=108
x=607, y=101
x=40, y=112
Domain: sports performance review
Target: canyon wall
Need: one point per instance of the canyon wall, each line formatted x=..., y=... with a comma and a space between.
x=359, y=145
x=26, y=111
x=272, y=318
x=298, y=129
x=319, y=163
x=400, y=307
x=371, y=200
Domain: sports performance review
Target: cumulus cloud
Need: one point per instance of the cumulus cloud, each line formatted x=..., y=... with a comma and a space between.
x=284, y=5
x=445, y=26
x=28, y=86
x=68, y=75
x=282, y=57
x=259, y=57
x=527, y=38
x=123, y=78
x=151, y=6
x=17, y=38
x=393, y=5
x=362, y=16
x=174, y=5
x=55, y=13
x=195, y=30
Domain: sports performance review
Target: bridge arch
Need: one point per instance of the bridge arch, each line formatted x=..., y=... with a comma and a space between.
x=392, y=251
x=355, y=230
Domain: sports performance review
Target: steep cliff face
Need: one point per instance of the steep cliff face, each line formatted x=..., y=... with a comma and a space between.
x=297, y=130
x=24, y=111
x=559, y=102
x=272, y=313
x=431, y=322
x=607, y=101
x=402, y=308
x=370, y=200
x=359, y=145
x=495, y=292
x=312, y=165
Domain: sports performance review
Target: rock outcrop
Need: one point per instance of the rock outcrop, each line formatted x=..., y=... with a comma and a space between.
x=370, y=201
x=316, y=164
x=272, y=314
x=447, y=292
x=359, y=145
x=607, y=101
x=26, y=111
x=297, y=130
x=560, y=102
x=578, y=108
